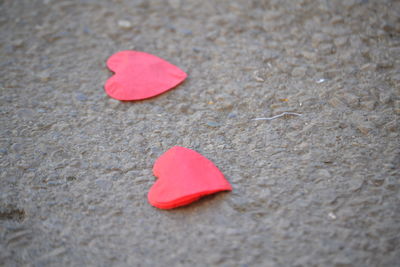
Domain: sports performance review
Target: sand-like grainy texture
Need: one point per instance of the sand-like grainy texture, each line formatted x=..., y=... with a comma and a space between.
x=320, y=189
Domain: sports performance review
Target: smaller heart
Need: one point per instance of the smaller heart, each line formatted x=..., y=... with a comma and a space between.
x=139, y=75
x=184, y=176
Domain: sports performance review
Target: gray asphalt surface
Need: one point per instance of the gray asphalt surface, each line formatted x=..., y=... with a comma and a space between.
x=320, y=189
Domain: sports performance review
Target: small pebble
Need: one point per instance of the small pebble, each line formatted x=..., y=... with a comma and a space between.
x=355, y=183
x=385, y=97
x=397, y=106
x=378, y=181
x=327, y=49
x=309, y=55
x=396, y=78
x=232, y=115
x=337, y=19
x=186, y=32
x=332, y=215
x=268, y=55
x=323, y=174
x=212, y=124
x=258, y=79
x=340, y=41
x=368, y=105
x=18, y=43
x=54, y=183
x=352, y=100
x=368, y=67
x=71, y=178
x=335, y=102
x=319, y=38
x=44, y=76
x=365, y=128
x=299, y=71
x=124, y=24
x=104, y=184
x=196, y=49
x=86, y=30
x=81, y=97
x=392, y=126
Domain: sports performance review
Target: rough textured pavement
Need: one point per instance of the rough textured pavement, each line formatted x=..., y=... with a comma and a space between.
x=320, y=189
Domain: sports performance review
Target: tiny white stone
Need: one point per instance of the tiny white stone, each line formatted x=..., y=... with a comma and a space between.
x=332, y=215
x=259, y=79
x=125, y=24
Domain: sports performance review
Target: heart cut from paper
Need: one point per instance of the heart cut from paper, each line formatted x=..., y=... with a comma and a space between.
x=139, y=75
x=183, y=177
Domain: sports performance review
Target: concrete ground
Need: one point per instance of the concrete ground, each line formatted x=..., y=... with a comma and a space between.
x=320, y=189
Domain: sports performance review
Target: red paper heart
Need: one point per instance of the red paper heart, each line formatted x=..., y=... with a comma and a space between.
x=183, y=177
x=140, y=75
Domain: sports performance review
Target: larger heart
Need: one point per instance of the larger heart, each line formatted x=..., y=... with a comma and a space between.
x=139, y=75
x=183, y=177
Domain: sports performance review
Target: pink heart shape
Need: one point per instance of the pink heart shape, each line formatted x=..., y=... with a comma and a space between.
x=183, y=177
x=139, y=75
